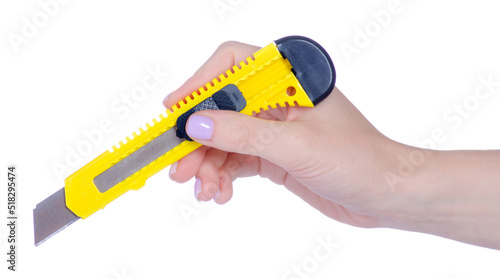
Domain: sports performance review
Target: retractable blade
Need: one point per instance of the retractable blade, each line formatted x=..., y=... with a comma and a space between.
x=292, y=71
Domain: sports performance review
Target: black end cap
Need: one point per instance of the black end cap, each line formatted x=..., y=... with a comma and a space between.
x=311, y=64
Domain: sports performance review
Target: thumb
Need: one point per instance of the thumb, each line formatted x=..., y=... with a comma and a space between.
x=239, y=133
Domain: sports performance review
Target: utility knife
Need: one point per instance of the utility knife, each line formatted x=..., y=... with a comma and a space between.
x=291, y=71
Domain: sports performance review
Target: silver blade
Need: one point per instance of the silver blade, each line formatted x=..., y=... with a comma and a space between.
x=51, y=216
x=137, y=160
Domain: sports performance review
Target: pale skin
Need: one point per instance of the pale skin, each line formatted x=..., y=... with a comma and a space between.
x=339, y=165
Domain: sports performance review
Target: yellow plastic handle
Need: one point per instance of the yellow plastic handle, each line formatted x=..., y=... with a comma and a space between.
x=265, y=80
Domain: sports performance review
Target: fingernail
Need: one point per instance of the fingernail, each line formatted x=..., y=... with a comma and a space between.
x=173, y=169
x=200, y=127
x=216, y=196
x=166, y=97
x=197, y=188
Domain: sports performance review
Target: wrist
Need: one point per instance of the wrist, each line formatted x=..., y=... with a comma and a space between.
x=402, y=200
x=453, y=194
x=413, y=199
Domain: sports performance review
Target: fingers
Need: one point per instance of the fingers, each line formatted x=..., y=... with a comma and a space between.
x=186, y=168
x=218, y=171
x=208, y=174
x=226, y=56
x=225, y=192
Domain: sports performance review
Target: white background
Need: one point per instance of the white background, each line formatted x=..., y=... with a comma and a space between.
x=65, y=78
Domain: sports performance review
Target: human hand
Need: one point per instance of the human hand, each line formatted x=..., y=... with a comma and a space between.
x=329, y=155
x=335, y=160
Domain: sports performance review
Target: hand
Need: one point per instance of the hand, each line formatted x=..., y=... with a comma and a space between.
x=329, y=155
x=335, y=160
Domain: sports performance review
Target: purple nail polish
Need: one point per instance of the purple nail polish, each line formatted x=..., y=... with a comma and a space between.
x=166, y=97
x=173, y=168
x=197, y=188
x=216, y=196
x=200, y=127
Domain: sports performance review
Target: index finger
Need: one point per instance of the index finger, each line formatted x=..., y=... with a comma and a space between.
x=226, y=56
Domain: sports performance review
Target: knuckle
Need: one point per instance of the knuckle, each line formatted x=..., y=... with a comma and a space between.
x=232, y=169
x=211, y=190
x=228, y=45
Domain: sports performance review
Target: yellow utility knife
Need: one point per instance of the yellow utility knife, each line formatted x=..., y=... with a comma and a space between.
x=290, y=71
